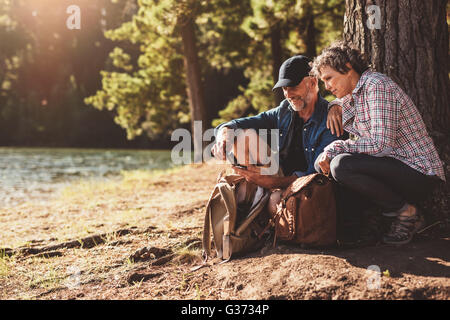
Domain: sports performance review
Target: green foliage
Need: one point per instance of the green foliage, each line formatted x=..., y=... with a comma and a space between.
x=291, y=19
x=329, y=22
x=131, y=65
x=47, y=69
x=235, y=109
x=152, y=96
x=14, y=39
x=222, y=44
x=121, y=60
x=157, y=103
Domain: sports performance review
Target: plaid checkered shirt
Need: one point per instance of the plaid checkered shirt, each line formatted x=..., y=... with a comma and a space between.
x=385, y=122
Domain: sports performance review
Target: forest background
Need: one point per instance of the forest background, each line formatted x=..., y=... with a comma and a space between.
x=123, y=79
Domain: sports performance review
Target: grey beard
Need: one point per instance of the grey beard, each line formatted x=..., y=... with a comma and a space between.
x=300, y=108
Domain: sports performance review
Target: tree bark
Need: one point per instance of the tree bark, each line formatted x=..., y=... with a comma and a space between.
x=194, y=84
x=310, y=32
x=410, y=45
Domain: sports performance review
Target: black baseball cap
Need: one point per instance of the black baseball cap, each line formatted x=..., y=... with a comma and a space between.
x=292, y=71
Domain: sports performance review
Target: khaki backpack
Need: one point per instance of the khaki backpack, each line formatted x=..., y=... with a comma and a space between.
x=306, y=214
x=236, y=229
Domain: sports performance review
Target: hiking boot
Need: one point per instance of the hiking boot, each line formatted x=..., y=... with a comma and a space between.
x=408, y=222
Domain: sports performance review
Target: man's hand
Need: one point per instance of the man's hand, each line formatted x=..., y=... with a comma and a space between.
x=324, y=164
x=334, y=120
x=253, y=174
x=220, y=147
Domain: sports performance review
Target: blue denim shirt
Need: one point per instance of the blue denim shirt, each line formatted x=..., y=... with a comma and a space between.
x=316, y=136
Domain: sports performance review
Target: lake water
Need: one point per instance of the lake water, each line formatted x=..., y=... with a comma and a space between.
x=36, y=174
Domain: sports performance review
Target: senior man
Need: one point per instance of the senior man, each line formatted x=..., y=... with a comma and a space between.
x=301, y=120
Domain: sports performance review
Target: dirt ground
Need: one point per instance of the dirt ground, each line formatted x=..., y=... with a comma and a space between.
x=140, y=238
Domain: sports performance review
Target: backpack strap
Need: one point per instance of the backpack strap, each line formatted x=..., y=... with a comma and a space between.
x=273, y=221
x=298, y=185
x=206, y=241
x=250, y=191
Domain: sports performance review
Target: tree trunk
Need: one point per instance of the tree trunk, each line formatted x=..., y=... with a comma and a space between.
x=275, y=46
x=408, y=41
x=310, y=32
x=194, y=85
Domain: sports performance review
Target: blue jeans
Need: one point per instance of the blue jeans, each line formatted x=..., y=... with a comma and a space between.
x=385, y=181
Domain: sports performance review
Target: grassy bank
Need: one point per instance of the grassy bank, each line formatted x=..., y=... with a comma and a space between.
x=131, y=212
x=138, y=199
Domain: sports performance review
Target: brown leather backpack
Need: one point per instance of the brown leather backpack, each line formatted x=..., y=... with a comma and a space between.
x=306, y=214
